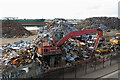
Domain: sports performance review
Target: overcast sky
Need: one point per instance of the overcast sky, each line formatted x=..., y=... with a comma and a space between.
x=49, y=9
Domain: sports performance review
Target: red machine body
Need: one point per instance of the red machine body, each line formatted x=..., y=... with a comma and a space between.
x=46, y=49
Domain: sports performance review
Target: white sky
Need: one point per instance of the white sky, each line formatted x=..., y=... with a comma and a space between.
x=49, y=9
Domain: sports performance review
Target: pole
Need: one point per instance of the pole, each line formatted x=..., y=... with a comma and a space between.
x=95, y=64
x=103, y=62
x=110, y=59
x=75, y=70
x=85, y=67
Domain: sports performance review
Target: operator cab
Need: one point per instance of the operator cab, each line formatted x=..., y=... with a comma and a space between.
x=57, y=36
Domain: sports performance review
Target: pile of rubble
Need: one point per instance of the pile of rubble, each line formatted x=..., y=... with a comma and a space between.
x=100, y=22
x=14, y=29
x=56, y=25
x=75, y=49
x=21, y=52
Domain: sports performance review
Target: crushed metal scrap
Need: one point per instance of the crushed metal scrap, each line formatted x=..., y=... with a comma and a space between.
x=59, y=44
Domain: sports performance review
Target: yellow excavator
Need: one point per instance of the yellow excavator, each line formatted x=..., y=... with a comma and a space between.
x=116, y=40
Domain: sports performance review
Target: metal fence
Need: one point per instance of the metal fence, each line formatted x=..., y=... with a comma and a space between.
x=82, y=68
x=77, y=69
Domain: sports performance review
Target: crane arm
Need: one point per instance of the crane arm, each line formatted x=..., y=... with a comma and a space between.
x=79, y=33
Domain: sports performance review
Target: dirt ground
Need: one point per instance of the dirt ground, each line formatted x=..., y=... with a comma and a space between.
x=111, y=34
x=12, y=40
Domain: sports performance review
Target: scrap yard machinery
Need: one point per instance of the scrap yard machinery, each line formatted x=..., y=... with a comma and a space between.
x=53, y=53
x=116, y=41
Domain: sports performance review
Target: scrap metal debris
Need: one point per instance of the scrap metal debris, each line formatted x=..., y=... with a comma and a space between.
x=74, y=49
x=20, y=52
x=107, y=23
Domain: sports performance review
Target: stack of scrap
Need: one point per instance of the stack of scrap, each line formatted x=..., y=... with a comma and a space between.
x=56, y=25
x=100, y=22
x=74, y=50
x=21, y=52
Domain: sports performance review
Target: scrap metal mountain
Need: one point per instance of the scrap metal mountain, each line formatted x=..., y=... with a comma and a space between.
x=109, y=22
x=13, y=29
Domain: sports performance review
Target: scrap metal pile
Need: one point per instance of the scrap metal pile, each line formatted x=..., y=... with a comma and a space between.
x=56, y=25
x=103, y=22
x=21, y=52
x=73, y=50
